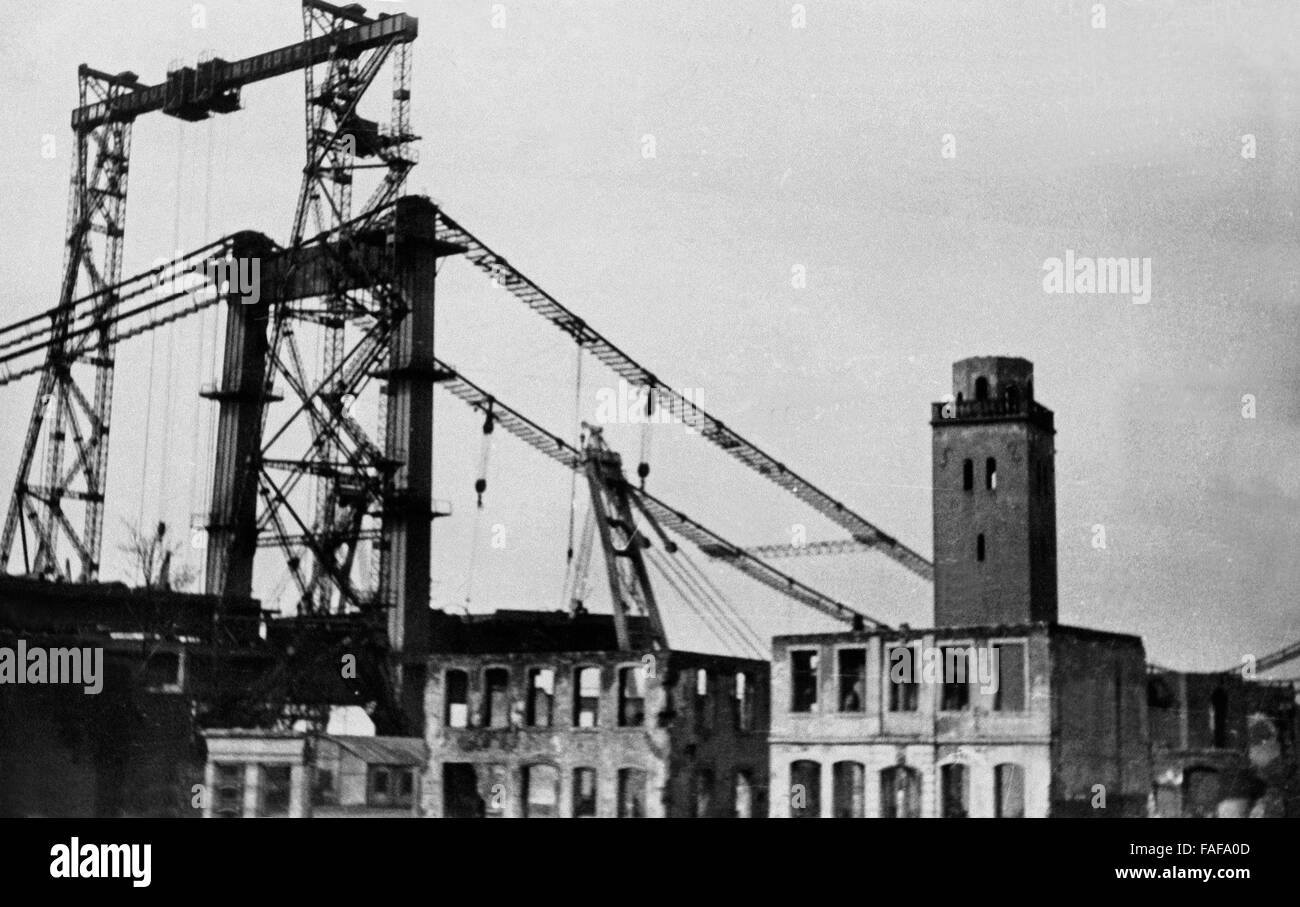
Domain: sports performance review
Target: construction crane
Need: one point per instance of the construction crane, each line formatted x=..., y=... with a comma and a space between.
x=656, y=511
x=681, y=408
x=74, y=397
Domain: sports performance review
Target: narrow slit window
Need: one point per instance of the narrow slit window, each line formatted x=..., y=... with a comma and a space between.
x=979, y=547
x=967, y=474
x=703, y=712
x=991, y=474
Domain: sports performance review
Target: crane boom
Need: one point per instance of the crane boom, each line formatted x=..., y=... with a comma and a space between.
x=681, y=408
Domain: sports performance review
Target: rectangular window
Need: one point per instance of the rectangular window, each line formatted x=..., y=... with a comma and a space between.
x=496, y=698
x=955, y=693
x=497, y=778
x=703, y=794
x=849, y=796
x=541, y=697
x=805, y=789
x=229, y=800
x=390, y=785
x=275, y=791
x=586, y=697
x=457, y=699
x=1010, y=695
x=745, y=794
x=324, y=793
x=541, y=791
x=631, y=696
x=803, y=677
x=853, y=679
x=1009, y=791
x=901, y=665
x=584, y=793
x=744, y=701
x=954, y=780
x=703, y=706
x=631, y=793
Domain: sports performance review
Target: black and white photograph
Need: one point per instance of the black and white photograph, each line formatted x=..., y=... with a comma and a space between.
x=615, y=409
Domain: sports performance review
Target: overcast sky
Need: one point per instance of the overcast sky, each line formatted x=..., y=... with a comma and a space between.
x=778, y=146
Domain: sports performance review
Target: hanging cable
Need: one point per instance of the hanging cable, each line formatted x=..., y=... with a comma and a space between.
x=643, y=468
x=723, y=603
x=480, y=484
x=573, y=476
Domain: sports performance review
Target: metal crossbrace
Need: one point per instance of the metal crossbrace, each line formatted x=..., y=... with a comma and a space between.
x=681, y=408
x=707, y=540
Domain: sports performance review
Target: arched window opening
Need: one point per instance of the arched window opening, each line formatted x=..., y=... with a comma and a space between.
x=981, y=389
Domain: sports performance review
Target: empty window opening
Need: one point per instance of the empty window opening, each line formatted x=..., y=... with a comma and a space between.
x=805, y=789
x=745, y=795
x=584, y=793
x=903, y=670
x=457, y=699
x=496, y=698
x=1010, y=694
x=955, y=692
x=744, y=701
x=849, y=797
x=631, y=793
x=541, y=792
x=631, y=696
x=324, y=792
x=1201, y=792
x=229, y=801
x=390, y=785
x=493, y=792
x=981, y=389
x=541, y=697
x=804, y=681
x=1009, y=791
x=967, y=474
x=900, y=792
x=853, y=679
x=702, y=795
x=991, y=474
x=586, y=697
x=954, y=785
x=979, y=547
x=276, y=780
x=1012, y=396
x=460, y=791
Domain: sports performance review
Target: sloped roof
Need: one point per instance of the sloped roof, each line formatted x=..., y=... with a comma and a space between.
x=383, y=750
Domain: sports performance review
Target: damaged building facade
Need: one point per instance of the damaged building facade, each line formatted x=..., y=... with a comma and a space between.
x=537, y=715
x=1056, y=727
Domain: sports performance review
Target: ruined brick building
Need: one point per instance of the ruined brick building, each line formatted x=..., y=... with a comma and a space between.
x=536, y=714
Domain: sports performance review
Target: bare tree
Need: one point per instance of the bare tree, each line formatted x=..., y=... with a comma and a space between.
x=156, y=558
